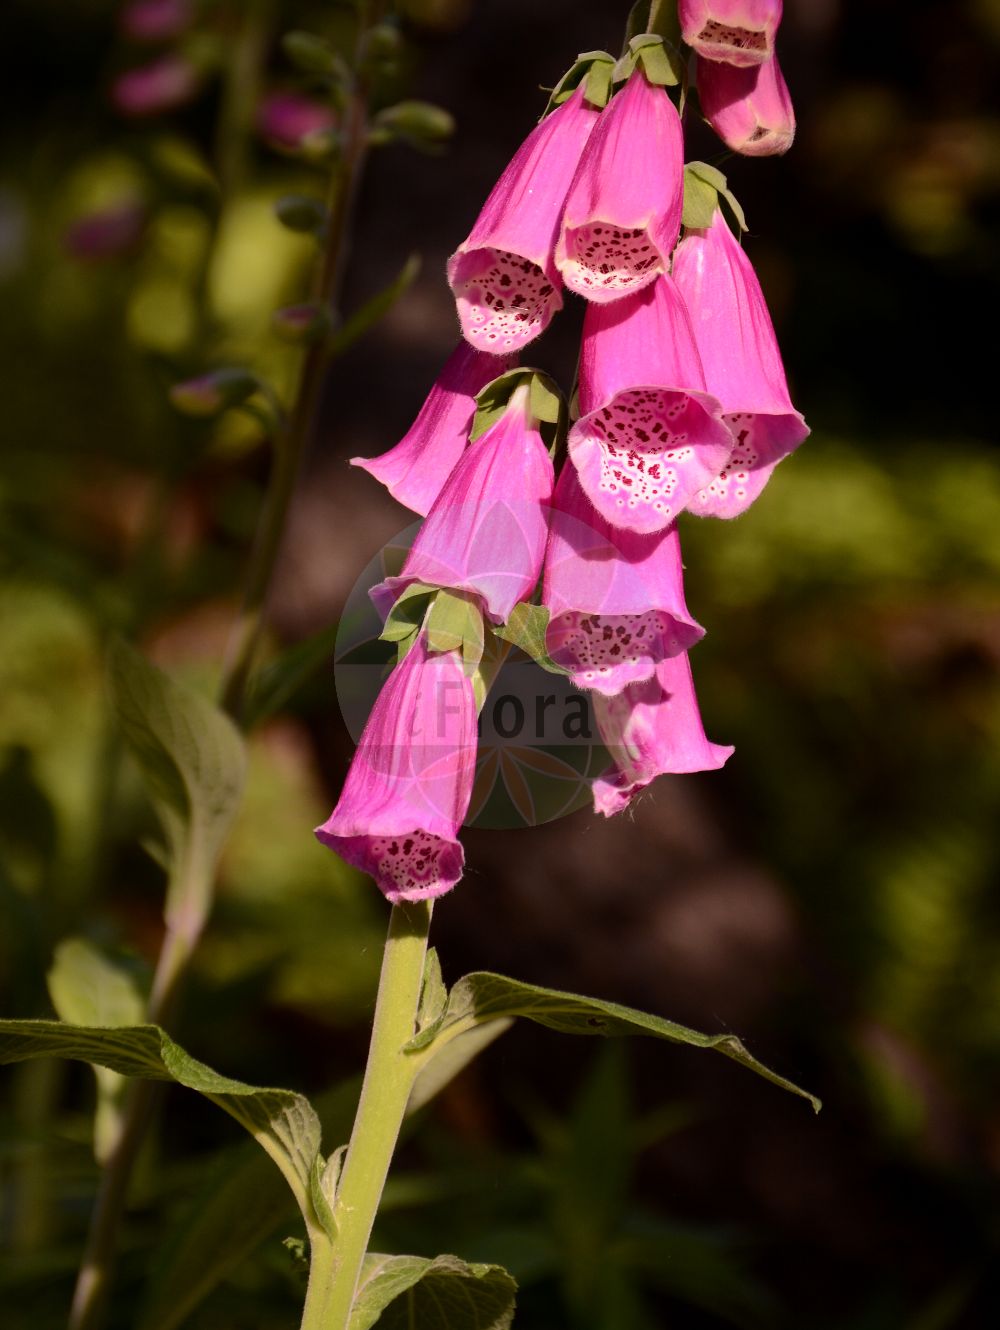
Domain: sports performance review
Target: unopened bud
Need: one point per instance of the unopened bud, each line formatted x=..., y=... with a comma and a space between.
x=418, y=122
x=297, y=212
x=384, y=42
x=209, y=394
x=310, y=53
x=301, y=323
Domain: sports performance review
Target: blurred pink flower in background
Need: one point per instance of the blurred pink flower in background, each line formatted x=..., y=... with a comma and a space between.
x=286, y=119
x=155, y=20
x=162, y=85
x=106, y=233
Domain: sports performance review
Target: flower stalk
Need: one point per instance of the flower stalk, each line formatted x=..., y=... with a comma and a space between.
x=336, y=1263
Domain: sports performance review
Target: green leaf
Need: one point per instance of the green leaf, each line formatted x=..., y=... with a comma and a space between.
x=404, y=1292
x=483, y=996
x=526, y=629
x=277, y=683
x=282, y=1122
x=193, y=762
x=310, y=53
x=456, y=623
x=89, y=987
x=376, y=308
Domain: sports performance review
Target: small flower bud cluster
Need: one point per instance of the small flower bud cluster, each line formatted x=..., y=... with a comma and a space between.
x=683, y=407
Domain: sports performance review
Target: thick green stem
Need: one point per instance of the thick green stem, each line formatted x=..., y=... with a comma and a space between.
x=389, y=1076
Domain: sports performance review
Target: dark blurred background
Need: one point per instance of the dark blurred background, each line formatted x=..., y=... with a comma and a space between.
x=831, y=895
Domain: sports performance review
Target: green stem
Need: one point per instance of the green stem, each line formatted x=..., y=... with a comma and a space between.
x=336, y=1266
x=291, y=445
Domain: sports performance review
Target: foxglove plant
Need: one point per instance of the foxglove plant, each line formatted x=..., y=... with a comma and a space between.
x=683, y=406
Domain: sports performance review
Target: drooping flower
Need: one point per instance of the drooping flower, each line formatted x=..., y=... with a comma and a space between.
x=417, y=467
x=410, y=781
x=651, y=729
x=616, y=598
x=750, y=109
x=739, y=32
x=623, y=210
x=504, y=277
x=650, y=436
x=485, y=533
x=743, y=368
x=160, y=86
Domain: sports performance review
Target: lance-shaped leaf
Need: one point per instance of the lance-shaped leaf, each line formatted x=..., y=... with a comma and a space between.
x=282, y=1122
x=193, y=762
x=400, y=1292
x=487, y=997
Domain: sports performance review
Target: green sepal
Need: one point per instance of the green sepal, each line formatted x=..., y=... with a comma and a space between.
x=210, y=394
x=704, y=186
x=407, y=614
x=299, y=212
x=455, y=623
x=661, y=63
x=526, y=629
x=591, y=68
x=545, y=400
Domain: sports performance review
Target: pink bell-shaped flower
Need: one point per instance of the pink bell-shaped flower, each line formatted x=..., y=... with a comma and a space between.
x=623, y=210
x=504, y=276
x=163, y=85
x=615, y=598
x=408, y=788
x=649, y=436
x=739, y=32
x=486, y=531
x=417, y=467
x=743, y=368
x=650, y=729
x=750, y=109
